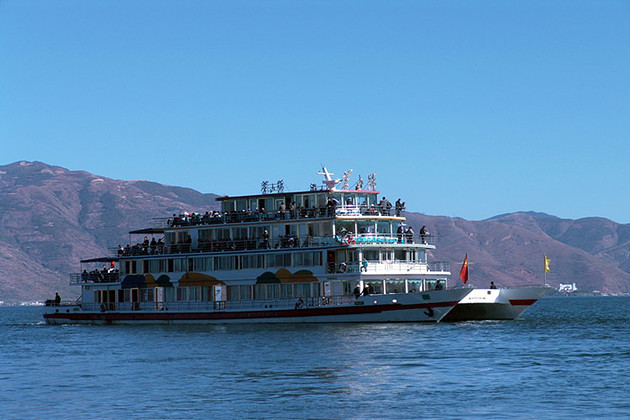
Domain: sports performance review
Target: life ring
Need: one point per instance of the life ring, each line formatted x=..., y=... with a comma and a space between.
x=342, y=268
x=350, y=239
x=103, y=307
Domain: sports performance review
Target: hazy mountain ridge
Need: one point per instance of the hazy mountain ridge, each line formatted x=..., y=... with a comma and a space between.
x=51, y=217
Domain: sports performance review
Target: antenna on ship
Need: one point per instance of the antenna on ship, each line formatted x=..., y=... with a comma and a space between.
x=345, y=177
x=372, y=181
x=328, y=180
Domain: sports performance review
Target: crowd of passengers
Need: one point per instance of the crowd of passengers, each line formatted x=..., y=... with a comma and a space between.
x=106, y=275
x=384, y=207
x=343, y=236
x=145, y=247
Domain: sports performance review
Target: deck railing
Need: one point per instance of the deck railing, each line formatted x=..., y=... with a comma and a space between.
x=217, y=217
x=377, y=267
x=371, y=239
x=95, y=277
x=202, y=306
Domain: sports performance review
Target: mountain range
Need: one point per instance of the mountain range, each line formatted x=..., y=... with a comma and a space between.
x=51, y=218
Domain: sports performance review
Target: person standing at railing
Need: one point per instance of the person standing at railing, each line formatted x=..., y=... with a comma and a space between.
x=400, y=232
x=409, y=235
x=399, y=207
x=265, y=239
x=57, y=299
x=423, y=234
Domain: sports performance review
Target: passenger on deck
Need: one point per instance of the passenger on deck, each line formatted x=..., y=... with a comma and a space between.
x=400, y=232
x=299, y=303
x=492, y=285
x=57, y=299
x=357, y=292
x=423, y=234
x=399, y=207
x=265, y=239
x=438, y=285
x=409, y=235
x=366, y=290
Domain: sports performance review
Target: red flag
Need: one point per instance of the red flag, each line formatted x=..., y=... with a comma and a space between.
x=463, y=273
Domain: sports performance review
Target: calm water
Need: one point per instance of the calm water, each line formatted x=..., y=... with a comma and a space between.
x=566, y=357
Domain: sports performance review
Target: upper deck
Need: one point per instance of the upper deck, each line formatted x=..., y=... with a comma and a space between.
x=277, y=219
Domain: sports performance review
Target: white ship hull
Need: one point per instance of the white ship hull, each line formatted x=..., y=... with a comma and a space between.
x=411, y=307
x=495, y=304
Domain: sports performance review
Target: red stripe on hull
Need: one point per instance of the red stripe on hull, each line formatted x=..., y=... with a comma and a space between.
x=285, y=313
x=523, y=302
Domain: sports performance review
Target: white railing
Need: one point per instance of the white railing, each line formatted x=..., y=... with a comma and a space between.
x=211, y=306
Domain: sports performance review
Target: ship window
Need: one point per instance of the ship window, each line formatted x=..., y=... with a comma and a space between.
x=221, y=234
x=272, y=291
x=383, y=226
x=347, y=288
x=253, y=261
x=306, y=259
x=260, y=292
x=414, y=286
x=348, y=226
x=203, y=264
x=395, y=286
x=286, y=290
x=245, y=292
x=241, y=205
x=224, y=263
x=400, y=255
x=376, y=285
x=240, y=233
x=279, y=260
x=232, y=293
x=228, y=205
x=365, y=227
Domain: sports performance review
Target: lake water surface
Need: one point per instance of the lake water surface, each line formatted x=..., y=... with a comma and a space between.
x=564, y=358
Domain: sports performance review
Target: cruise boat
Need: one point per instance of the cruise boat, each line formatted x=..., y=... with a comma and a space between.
x=496, y=304
x=321, y=255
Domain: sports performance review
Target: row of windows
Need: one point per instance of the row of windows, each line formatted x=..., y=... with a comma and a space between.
x=232, y=262
x=258, y=291
x=208, y=293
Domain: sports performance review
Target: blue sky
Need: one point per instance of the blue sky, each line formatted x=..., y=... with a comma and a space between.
x=461, y=108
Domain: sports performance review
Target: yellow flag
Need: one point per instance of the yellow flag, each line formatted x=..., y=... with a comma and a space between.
x=547, y=261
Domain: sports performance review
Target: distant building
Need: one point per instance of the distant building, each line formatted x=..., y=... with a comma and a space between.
x=567, y=288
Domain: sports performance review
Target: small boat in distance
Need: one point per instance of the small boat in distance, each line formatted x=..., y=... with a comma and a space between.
x=319, y=255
